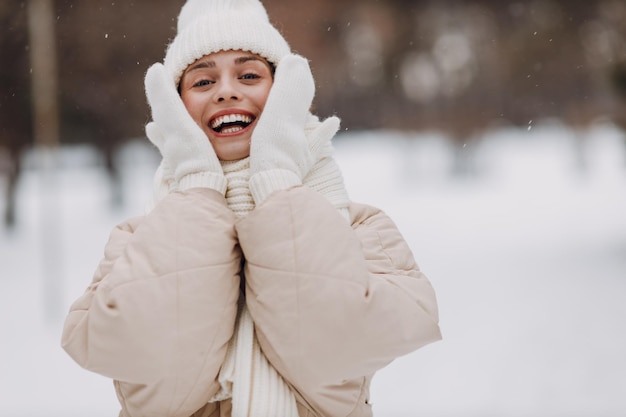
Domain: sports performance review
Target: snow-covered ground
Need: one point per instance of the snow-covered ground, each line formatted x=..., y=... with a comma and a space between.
x=528, y=257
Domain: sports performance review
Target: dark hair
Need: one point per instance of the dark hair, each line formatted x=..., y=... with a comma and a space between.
x=272, y=68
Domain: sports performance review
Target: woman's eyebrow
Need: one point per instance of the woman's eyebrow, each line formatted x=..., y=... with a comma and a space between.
x=243, y=59
x=201, y=65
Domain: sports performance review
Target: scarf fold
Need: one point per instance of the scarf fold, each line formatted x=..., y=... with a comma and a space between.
x=246, y=376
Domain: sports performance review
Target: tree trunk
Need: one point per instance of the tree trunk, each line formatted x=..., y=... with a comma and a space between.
x=45, y=109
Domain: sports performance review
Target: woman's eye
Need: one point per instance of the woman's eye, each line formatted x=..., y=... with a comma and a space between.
x=203, y=83
x=250, y=76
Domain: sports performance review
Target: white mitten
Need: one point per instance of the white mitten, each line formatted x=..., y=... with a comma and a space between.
x=325, y=176
x=165, y=170
x=279, y=152
x=189, y=160
x=319, y=135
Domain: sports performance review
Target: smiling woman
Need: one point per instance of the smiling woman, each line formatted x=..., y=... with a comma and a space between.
x=225, y=93
x=253, y=287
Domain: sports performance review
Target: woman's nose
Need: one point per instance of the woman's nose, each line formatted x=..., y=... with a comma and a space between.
x=226, y=91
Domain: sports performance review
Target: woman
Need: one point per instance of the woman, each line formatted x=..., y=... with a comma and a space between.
x=253, y=286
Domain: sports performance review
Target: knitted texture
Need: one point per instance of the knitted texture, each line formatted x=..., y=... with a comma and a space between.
x=238, y=195
x=326, y=179
x=208, y=26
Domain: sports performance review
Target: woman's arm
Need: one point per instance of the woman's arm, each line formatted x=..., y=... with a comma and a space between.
x=162, y=305
x=332, y=304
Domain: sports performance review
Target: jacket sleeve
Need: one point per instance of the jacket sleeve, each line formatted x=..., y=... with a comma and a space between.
x=161, y=308
x=332, y=304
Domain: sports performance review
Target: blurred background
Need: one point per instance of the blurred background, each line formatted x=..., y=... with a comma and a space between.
x=493, y=133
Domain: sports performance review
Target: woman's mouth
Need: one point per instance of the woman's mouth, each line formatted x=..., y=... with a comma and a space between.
x=231, y=123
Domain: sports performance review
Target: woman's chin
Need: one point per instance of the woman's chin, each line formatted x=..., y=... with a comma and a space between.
x=233, y=149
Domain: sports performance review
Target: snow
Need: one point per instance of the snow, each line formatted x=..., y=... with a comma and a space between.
x=527, y=255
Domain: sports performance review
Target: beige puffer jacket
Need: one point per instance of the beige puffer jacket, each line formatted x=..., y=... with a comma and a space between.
x=332, y=304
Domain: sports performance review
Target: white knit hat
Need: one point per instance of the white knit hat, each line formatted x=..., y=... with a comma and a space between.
x=208, y=26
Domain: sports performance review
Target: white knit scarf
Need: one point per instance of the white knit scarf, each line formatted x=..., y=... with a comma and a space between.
x=247, y=377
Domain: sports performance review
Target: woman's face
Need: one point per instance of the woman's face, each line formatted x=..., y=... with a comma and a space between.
x=225, y=93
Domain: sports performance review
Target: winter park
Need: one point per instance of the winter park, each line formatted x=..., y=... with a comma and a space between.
x=496, y=142
x=531, y=303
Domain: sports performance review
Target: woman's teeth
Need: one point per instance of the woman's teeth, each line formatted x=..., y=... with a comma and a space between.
x=231, y=129
x=220, y=123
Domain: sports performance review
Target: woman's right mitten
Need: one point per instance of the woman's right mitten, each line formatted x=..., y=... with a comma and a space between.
x=185, y=148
